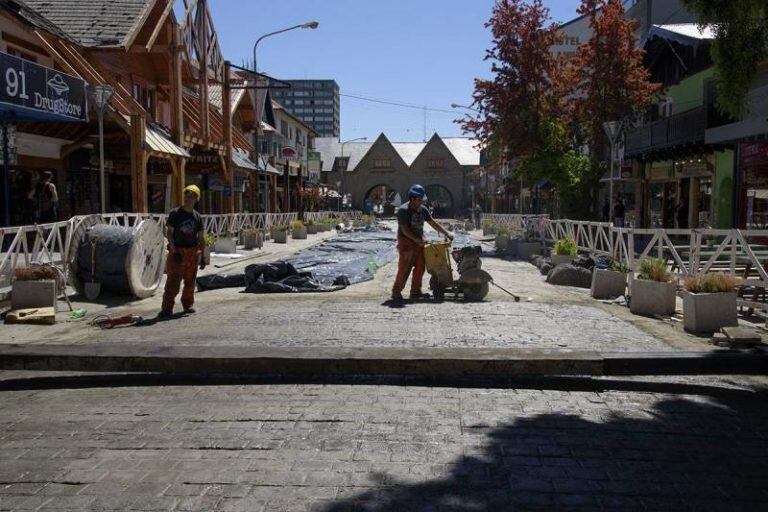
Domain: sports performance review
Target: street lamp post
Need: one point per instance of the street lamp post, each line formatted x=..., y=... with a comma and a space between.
x=612, y=130
x=101, y=95
x=310, y=25
x=344, y=170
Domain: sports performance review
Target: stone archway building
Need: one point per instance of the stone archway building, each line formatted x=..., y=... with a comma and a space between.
x=443, y=162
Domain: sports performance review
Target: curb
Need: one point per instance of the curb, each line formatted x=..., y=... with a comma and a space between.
x=375, y=361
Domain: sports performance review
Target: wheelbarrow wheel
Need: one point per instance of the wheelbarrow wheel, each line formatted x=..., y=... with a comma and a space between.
x=475, y=292
x=438, y=291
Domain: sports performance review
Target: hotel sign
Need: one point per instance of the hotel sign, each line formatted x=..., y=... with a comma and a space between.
x=32, y=91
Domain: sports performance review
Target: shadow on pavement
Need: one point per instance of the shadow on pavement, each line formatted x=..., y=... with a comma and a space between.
x=682, y=453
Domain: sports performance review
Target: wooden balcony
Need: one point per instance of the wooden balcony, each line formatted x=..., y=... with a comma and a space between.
x=681, y=129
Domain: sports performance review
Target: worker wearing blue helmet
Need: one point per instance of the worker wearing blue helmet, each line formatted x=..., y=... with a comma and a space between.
x=411, y=217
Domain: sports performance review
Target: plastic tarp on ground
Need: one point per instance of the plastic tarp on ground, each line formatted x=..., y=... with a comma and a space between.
x=332, y=265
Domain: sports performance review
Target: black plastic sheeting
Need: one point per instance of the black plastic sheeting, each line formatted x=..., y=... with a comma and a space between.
x=347, y=259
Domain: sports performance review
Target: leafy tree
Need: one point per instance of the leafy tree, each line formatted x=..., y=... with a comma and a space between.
x=741, y=42
x=519, y=97
x=607, y=76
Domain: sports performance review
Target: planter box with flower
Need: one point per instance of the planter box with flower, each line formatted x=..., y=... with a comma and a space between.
x=502, y=238
x=225, y=244
x=564, y=251
x=280, y=234
x=298, y=230
x=610, y=282
x=653, y=291
x=312, y=228
x=709, y=303
x=487, y=226
x=252, y=239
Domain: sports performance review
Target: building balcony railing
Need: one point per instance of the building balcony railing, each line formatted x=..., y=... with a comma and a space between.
x=684, y=128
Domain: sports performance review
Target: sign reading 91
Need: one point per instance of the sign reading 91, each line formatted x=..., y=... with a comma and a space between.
x=32, y=91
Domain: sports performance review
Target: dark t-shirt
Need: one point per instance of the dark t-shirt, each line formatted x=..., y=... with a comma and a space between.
x=185, y=226
x=414, y=219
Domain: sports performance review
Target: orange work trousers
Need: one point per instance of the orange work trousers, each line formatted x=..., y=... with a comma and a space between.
x=410, y=256
x=185, y=271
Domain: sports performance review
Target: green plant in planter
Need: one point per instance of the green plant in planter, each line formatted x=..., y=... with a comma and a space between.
x=209, y=240
x=502, y=231
x=620, y=266
x=486, y=224
x=654, y=269
x=297, y=224
x=566, y=247
x=309, y=223
x=281, y=228
x=711, y=282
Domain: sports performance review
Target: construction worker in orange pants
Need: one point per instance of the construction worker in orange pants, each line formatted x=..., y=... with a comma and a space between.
x=185, y=234
x=411, y=217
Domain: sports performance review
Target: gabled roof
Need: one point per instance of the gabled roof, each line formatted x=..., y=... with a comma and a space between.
x=683, y=33
x=94, y=23
x=408, y=151
x=330, y=149
x=463, y=149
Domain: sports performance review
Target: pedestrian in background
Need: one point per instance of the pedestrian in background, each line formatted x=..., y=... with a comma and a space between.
x=478, y=215
x=619, y=211
x=186, y=240
x=606, y=211
x=46, y=198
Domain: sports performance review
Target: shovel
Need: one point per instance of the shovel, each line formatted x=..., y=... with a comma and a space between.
x=93, y=288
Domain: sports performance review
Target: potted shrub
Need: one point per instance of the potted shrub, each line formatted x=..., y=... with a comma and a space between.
x=312, y=228
x=709, y=302
x=298, y=230
x=252, y=239
x=487, y=226
x=564, y=251
x=208, y=240
x=502, y=238
x=653, y=292
x=611, y=282
x=280, y=234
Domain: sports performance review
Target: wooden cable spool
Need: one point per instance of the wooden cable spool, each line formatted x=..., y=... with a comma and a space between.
x=129, y=260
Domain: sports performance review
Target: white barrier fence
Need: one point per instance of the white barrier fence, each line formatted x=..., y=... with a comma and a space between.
x=49, y=243
x=688, y=252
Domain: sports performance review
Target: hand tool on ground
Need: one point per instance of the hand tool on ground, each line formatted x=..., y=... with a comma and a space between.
x=516, y=297
x=93, y=288
x=108, y=322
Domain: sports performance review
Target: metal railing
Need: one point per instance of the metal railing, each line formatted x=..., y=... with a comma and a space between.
x=688, y=252
x=50, y=243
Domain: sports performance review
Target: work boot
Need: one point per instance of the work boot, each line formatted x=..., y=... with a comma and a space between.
x=419, y=296
x=189, y=311
x=164, y=314
x=397, y=297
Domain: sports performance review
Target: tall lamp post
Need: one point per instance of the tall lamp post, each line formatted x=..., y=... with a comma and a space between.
x=101, y=95
x=344, y=170
x=310, y=25
x=612, y=130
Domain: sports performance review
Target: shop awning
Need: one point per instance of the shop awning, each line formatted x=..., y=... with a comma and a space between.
x=157, y=142
x=269, y=168
x=242, y=161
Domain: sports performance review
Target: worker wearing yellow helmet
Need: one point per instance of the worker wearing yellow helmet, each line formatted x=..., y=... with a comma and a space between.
x=186, y=239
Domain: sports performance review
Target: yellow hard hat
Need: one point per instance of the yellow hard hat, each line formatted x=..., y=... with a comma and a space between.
x=194, y=189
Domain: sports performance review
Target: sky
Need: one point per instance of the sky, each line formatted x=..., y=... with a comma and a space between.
x=416, y=52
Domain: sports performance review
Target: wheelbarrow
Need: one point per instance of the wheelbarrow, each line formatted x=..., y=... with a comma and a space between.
x=473, y=282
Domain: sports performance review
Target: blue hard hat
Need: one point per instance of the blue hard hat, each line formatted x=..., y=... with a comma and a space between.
x=418, y=192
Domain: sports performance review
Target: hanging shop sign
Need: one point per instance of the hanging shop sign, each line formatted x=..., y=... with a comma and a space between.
x=29, y=91
x=694, y=167
x=660, y=171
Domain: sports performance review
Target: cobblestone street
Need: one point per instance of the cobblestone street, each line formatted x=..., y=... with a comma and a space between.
x=552, y=444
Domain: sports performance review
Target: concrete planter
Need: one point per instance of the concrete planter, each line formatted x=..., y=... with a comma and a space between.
x=253, y=240
x=561, y=259
x=526, y=250
x=313, y=229
x=488, y=231
x=280, y=237
x=512, y=246
x=225, y=245
x=709, y=312
x=299, y=233
x=33, y=294
x=608, y=284
x=652, y=297
x=502, y=241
